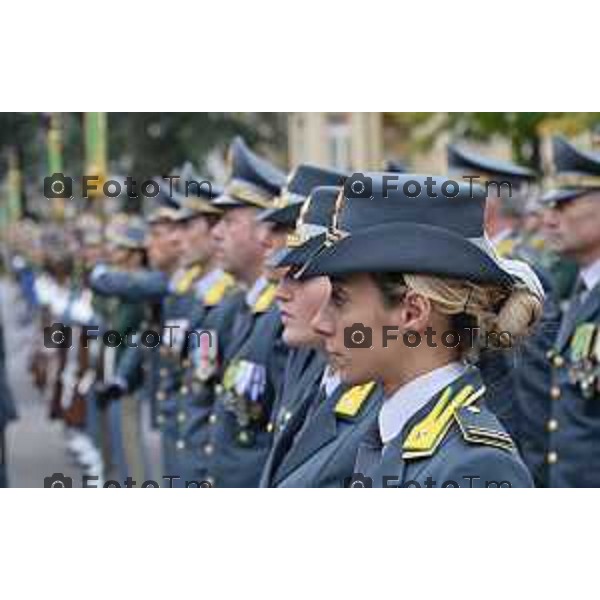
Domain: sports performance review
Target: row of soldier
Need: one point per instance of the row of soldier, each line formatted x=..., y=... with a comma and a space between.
x=262, y=269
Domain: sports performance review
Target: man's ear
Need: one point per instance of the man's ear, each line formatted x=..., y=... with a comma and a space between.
x=414, y=312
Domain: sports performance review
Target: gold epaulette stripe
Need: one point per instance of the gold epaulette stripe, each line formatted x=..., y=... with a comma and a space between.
x=501, y=435
x=483, y=435
x=488, y=440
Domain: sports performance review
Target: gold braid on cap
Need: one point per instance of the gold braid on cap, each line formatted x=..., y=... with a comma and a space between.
x=305, y=232
x=286, y=198
x=248, y=192
x=295, y=238
x=200, y=205
x=163, y=213
x=334, y=233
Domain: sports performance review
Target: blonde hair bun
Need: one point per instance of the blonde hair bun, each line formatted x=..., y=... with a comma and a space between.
x=518, y=314
x=508, y=313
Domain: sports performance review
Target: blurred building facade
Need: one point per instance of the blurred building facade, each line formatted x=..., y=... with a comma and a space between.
x=366, y=140
x=340, y=140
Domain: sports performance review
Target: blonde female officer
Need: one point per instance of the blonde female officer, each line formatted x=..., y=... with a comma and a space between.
x=416, y=288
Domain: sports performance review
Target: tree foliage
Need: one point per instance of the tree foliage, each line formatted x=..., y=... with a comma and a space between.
x=523, y=130
x=140, y=144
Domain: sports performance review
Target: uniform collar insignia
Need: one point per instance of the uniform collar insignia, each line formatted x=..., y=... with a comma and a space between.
x=425, y=437
x=214, y=286
x=261, y=296
x=351, y=402
x=184, y=278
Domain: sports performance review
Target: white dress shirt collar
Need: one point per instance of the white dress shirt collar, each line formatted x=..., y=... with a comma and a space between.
x=330, y=380
x=253, y=294
x=505, y=234
x=414, y=395
x=591, y=275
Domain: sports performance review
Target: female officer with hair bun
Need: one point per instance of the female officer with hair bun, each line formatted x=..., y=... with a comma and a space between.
x=410, y=268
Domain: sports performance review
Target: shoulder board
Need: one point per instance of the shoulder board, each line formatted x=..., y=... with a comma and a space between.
x=187, y=278
x=482, y=427
x=218, y=290
x=352, y=400
x=427, y=435
x=265, y=300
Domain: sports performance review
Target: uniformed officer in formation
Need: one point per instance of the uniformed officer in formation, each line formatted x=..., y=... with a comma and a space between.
x=184, y=280
x=115, y=380
x=433, y=427
x=198, y=286
x=253, y=359
x=163, y=247
x=568, y=411
x=506, y=185
x=513, y=194
x=320, y=420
